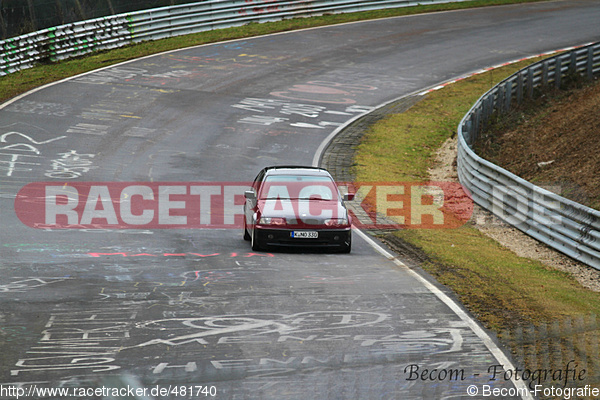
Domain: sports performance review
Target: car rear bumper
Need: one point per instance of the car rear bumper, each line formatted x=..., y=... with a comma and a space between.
x=327, y=238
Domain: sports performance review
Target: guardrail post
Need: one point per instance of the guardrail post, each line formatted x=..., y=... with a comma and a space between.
x=467, y=129
x=590, y=63
x=485, y=113
x=519, y=88
x=530, y=83
x=501, y=99
x=573, y=63
x=508, y=90
x=545, y=73
x=557, y=72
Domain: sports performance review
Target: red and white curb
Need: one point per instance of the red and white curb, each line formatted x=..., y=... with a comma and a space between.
x=481, y=71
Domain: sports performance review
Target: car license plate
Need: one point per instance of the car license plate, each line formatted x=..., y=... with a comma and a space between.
x=305, y=234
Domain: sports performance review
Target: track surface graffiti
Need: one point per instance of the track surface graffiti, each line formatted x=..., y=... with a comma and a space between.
x=315, y=105
x=22, y=152
x=98, y=341
x=324, y=92
x=80, y=342
x=70, y=165
x=255, y=325
x=186, y=254
x=27, y=284
x=40, y=108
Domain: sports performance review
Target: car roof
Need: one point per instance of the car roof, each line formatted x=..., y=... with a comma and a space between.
x=296, y=170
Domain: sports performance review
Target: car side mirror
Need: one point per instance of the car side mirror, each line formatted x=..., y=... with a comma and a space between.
x=250, y=195
x=349, y=197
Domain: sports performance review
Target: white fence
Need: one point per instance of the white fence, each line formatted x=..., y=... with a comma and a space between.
x=558, y=222
x=76, y=39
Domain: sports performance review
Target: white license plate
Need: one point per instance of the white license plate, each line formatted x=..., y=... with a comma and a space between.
x=305, y=234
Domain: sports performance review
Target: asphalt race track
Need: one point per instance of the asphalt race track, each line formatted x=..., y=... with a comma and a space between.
x=192, y=309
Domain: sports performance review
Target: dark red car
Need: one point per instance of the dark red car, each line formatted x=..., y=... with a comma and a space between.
x=291, y=206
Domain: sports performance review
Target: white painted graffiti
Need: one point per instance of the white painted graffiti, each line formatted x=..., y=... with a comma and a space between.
x=24, y=285
x=19, y=152
x=378, y=347
x=117, y=105
x=70, y=165
x=439, y=340
x=185, y=298
x=207, y=328
x=117, y=75
x=291, y=111
x=260, y=105
x=262, y=120
x=111, y=75
x=176, y=74
x=324, y=92
x=40, y=108
x=79, y=341
x=89, y=129
x=102, y=130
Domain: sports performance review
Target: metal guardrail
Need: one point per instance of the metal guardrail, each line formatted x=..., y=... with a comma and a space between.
x=76, y=39
x=65, y=41
x=560, y=223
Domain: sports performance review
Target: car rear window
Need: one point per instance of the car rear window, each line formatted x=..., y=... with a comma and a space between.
x=299, y=187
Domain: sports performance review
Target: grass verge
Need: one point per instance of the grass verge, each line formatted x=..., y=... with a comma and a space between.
x=19, y=82
x=507, y=293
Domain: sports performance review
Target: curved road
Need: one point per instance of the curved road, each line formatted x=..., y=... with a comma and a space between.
x=195, y=307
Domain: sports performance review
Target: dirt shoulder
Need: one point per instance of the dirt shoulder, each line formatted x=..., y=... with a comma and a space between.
x=553, y=141
x=509, y=237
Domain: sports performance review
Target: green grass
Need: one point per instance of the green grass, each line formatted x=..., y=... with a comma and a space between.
x=14, y=84
x=500, y=288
